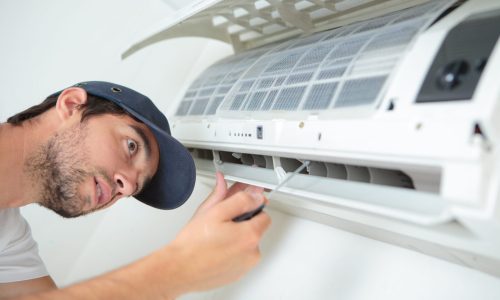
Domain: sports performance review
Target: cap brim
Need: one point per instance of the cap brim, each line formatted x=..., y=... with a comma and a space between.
x=174, y=181
x=175, y=177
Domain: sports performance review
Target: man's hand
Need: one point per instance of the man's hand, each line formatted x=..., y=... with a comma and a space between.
x=221, y=192
x=210, y=251
x=218, y=250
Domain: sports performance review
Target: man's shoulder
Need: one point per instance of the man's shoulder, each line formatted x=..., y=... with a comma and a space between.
x=12, y=225
x=9, y=212
x=19, y=259
x=10, y=216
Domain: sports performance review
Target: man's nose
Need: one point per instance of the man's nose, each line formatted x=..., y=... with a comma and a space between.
x=126, y=183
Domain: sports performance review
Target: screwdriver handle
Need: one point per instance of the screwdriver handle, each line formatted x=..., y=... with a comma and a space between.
x=249, y=215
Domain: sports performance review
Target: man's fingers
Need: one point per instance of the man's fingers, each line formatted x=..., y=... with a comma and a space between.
x=260, y=222
x=254, y=189
x=240, y=203
x=240, y=186
x=237, y=187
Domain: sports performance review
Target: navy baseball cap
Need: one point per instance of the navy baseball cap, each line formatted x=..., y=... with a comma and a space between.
x=174, y=180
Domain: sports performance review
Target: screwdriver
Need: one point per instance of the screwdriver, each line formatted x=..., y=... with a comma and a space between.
x=251, y=214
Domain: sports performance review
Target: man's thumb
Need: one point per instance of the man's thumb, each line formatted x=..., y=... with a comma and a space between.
x=218, y=193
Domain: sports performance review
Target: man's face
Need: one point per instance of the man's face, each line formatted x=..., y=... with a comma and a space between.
x=87, y=166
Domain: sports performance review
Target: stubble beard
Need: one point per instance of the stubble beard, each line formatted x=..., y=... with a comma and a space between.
x=56, y=170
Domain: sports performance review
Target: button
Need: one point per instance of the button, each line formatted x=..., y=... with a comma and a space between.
x=452, y=74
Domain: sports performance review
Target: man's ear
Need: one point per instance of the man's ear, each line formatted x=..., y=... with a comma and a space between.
x=69, y=102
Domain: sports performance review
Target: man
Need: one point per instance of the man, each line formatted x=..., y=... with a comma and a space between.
x=84, y=148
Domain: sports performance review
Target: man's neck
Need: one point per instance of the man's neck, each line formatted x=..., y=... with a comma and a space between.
x=17, y=143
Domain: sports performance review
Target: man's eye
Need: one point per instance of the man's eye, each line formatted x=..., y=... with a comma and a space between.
x=132, y=146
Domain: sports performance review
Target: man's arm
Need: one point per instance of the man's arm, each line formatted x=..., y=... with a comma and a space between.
x=18, y=288
x=210, y=251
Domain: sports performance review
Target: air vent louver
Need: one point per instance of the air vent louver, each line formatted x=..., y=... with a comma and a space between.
x=348, y=172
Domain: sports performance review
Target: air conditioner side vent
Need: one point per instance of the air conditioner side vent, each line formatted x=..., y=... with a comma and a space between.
x=348, y=172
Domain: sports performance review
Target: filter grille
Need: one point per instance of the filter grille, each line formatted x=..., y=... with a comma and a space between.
x=336, y=69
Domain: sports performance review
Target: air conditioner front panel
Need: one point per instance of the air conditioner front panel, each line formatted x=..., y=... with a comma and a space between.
x=254, y=23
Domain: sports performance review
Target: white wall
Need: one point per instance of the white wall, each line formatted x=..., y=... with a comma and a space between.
x=47, y=45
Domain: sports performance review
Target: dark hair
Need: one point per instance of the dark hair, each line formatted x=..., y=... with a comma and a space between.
x=93, y=107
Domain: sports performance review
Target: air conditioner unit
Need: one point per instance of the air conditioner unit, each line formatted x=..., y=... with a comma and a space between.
x=396, y=104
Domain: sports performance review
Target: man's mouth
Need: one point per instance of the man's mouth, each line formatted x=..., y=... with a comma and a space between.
x=99, y=192
x=103, y=192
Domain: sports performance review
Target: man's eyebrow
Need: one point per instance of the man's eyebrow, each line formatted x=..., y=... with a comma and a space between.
x=145, y=141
